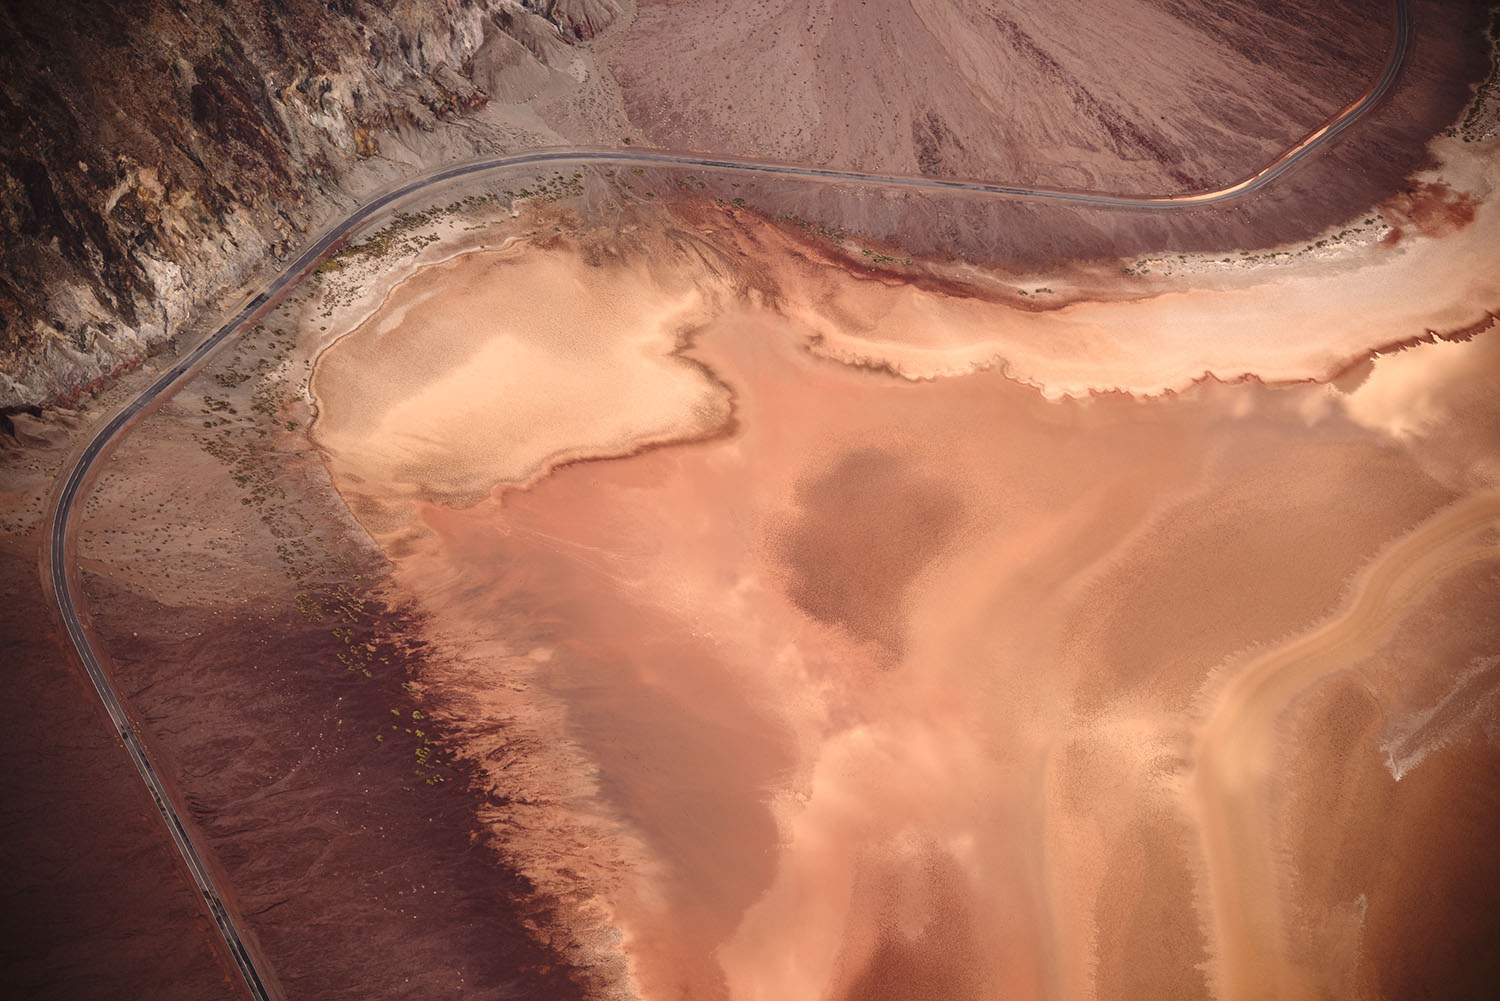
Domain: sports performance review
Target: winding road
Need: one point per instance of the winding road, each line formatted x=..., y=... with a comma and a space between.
x=60, y=572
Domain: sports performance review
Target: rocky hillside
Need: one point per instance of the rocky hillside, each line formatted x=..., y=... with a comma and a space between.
x=154, y=153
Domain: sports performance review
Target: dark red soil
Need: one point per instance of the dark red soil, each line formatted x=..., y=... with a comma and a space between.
x=94, y=902
x=358, y=878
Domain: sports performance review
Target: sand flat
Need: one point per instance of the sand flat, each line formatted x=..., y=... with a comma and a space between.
x=850, y=680
x=1128, y=96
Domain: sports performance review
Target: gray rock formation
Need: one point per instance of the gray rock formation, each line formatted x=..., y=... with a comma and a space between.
x=153, y=154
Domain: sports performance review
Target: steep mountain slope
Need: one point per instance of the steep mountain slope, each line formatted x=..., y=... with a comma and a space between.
x=155, y=153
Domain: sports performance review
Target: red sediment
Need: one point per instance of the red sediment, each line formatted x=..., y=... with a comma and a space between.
x=93, y=900
x=1431, y=207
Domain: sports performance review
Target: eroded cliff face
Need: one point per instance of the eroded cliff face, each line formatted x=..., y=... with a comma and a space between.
x=153, y=154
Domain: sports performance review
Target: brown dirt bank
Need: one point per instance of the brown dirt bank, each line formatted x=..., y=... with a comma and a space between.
x=93, y=901
x=1300, y=313
x=132, y=197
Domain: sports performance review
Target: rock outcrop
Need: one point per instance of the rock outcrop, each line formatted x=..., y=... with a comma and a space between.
x=153, y=154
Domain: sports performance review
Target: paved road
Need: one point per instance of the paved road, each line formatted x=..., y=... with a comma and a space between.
x=57, y=560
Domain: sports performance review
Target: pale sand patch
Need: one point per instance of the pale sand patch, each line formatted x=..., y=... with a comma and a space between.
x=1272, y=324
x=1474, y=697
x=1441, y=400
x=491, y=367
x=1408, y=395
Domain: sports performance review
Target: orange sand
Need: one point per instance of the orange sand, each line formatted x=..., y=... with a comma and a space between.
x=881, y=687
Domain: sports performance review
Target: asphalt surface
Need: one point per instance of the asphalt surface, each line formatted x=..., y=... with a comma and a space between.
x=258, y=986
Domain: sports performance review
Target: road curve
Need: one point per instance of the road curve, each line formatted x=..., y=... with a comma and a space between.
x=56, y=564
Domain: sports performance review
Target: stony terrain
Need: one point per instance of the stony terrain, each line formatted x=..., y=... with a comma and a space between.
x=157, y=155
